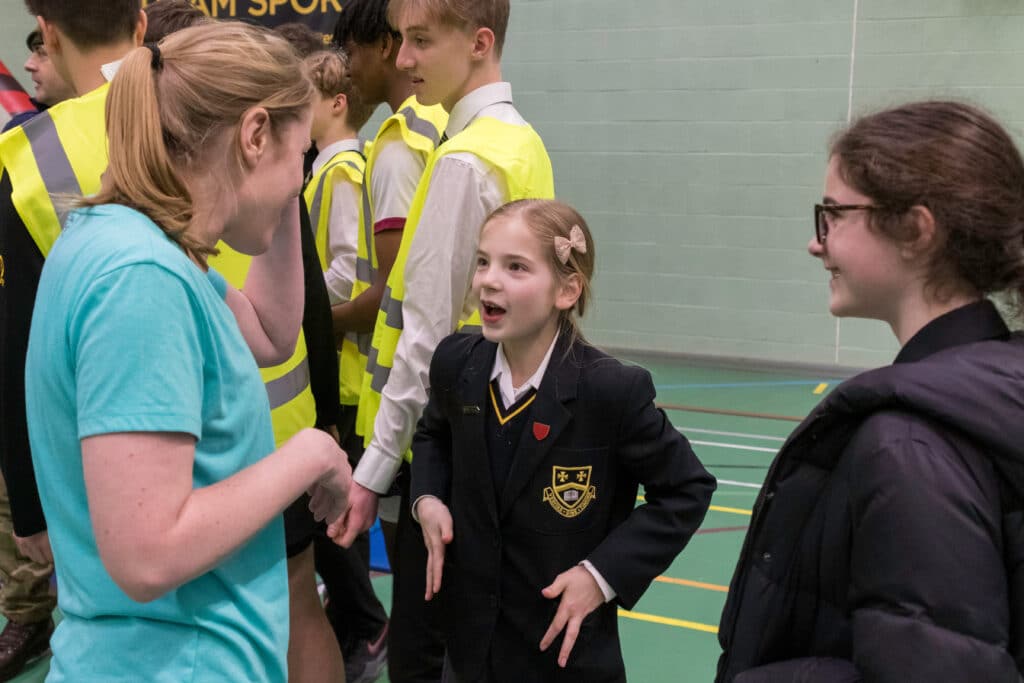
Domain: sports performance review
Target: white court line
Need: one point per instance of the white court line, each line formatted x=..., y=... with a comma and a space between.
x=685, y=430
x=849, y=118
x=736, y=446
x=744, y=484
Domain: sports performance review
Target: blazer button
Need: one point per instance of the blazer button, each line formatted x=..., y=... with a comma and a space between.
x=767, y=557
x=768, y=495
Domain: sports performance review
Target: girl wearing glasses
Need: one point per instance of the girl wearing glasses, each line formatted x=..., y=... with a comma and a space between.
x=888, y=539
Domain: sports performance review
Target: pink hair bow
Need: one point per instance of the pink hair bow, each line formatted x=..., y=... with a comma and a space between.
x=564, y=245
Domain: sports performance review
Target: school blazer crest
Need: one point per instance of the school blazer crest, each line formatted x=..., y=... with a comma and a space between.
x=570, y=495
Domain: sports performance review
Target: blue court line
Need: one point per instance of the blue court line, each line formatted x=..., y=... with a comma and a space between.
x=738, y=385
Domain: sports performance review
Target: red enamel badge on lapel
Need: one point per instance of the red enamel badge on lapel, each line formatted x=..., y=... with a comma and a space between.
x=541, y=431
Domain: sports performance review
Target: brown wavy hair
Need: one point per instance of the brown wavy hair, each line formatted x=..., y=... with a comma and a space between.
x=161, y=120
x=331, y=73
x=164, y=17
x=961, y=164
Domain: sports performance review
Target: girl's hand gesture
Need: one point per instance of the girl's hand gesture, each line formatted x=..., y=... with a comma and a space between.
x=580, y=596
x=436, y=522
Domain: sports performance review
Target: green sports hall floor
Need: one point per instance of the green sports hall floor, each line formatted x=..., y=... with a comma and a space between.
x=670, y=634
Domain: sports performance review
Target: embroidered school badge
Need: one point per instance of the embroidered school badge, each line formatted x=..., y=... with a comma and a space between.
x=570, y=492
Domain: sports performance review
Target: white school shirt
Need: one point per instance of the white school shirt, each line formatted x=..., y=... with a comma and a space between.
x=342, y=225
x=463, y=191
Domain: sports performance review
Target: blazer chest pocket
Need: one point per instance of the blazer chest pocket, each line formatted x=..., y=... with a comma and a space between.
x=567, y=490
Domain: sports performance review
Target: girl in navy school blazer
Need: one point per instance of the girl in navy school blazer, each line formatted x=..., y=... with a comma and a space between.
x=590, y=438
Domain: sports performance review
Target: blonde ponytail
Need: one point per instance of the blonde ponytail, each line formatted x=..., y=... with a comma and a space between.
x=140, y=167
x=162, y=115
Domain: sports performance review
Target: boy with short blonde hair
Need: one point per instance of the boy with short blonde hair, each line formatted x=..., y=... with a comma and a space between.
x=488, y=156
x=464, y=15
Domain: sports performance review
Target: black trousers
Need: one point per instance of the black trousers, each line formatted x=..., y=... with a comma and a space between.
x=415, y=641
x=353, y=609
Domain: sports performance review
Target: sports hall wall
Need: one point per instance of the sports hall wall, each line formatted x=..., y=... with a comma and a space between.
x=692, y=135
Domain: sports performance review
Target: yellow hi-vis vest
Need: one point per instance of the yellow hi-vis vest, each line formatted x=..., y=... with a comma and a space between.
x=518, y=154
x=420, y=128
x=349, y=164
x=58, y=154
x=292, y=407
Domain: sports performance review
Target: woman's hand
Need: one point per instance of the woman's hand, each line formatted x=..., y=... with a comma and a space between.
x=329, y=494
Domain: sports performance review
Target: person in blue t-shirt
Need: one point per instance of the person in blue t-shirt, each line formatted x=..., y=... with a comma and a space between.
x=149, y=423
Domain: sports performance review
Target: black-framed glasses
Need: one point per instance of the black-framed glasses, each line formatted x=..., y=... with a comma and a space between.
x=823, y=211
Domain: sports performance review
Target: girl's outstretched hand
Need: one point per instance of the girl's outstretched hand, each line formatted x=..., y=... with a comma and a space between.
x=436, y=522
x=580, y=596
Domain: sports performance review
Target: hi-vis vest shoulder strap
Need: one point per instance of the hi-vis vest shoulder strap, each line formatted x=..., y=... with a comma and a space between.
x=292, y=407
x=420, y=129
x=319, y=197
x=516, y=152
x=57, y=155
x=350, y=164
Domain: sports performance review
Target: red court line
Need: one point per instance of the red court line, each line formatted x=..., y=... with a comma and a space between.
x=733, y=413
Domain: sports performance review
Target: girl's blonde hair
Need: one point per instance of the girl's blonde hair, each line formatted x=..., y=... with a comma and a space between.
x=548, y=219
x=167, y=106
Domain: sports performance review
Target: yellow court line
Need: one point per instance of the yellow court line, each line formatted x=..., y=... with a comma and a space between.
x=735, y=511
x=820, y=389
x=666, y=621
x=694, y=584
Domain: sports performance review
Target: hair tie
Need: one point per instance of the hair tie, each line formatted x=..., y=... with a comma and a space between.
x=564, y=245
x=155, y=61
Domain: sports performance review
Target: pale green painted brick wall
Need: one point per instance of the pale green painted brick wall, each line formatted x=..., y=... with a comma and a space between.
x=692, y=136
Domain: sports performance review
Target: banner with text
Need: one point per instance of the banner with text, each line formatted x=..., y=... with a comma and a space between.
x=319, y=15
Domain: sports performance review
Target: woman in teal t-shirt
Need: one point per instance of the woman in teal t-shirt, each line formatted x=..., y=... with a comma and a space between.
x=149, y=424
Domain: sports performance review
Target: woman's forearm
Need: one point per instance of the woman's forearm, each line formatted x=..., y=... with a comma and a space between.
x=155, y=532
x=269, y=307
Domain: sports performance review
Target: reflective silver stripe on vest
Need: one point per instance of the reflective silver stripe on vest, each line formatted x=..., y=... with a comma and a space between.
x=421, y=126
x=54, y=166
x=318, y=196
x=379, y=373
x=365, y=272
x=288, y=386
x=361, y=341
x=392, y=311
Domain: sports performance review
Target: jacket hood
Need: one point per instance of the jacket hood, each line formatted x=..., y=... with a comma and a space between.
x=976, y=389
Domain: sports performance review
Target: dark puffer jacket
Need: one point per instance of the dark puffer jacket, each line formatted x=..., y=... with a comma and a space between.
x=887, y=543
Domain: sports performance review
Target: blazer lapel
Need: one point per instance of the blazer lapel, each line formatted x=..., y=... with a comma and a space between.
x=472, y=395
x=548, y=417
